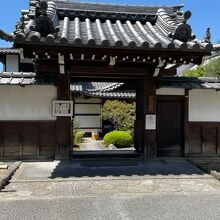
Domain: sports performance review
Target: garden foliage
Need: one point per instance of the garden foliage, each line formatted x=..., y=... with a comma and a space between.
x=120, y=113
x=77, y=135
x=211, y=69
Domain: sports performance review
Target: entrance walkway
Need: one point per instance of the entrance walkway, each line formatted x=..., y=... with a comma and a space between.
x=70, y=178
x=97, y=145
x=92, y=145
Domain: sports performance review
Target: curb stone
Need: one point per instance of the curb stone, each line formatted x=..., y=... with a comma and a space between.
x=213, y=173
x=11, y=170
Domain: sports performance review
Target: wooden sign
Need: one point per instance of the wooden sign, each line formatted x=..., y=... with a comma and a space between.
x=151, y=103
x=62, y=108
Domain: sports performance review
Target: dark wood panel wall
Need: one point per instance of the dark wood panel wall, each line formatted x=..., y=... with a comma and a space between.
x=27, y=140
x=150, y=140
x=203, y=139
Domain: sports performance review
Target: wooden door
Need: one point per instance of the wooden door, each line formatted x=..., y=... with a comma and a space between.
x=170, y=127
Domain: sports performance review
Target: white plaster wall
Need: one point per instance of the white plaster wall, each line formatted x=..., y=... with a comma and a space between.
x=27, y=103
x=89, y=100
x=95, y=130
x=170, y=91
x=87, y=108
x=204, y=105
x=90, y=121
x=12, y=63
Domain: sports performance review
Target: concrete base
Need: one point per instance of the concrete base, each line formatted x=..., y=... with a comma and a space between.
x=5, y=176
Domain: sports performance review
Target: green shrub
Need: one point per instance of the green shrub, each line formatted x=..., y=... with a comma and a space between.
x=120, y=139
x=120, y=113
x=78, y=136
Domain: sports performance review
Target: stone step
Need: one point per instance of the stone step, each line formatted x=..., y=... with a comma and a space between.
x=103, y=155
x=3, y=166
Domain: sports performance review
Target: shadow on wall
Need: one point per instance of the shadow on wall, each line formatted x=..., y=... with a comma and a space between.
x=119, y=168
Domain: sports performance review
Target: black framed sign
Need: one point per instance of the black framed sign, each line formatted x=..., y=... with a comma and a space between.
x=62, y=108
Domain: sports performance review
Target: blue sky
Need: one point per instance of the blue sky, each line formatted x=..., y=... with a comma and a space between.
x=204, y=13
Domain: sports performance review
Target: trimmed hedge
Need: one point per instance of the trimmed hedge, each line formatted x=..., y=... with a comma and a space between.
x=120, y=139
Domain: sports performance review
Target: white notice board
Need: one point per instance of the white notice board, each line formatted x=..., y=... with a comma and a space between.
x=150, y=122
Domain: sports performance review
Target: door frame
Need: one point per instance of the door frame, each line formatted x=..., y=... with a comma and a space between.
x=138, y=83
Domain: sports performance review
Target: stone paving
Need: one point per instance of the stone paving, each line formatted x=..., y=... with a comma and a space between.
x=6, y=173
x=102, y=187
x=189, y=180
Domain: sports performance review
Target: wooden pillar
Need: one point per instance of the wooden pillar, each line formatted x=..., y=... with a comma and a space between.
x=1, y=143
x=140, y=116
x=63, y=124
x=186, y=124
x=150, y=146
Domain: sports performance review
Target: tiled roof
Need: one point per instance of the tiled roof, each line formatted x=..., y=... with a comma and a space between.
x=118, y=94
x=17, y=78
x=9, y=51
x=107, y=26
x=95, y=86
x=190, y=82
x=110, y=89
x=100, y=7
x=102, y=89
x=95, y=89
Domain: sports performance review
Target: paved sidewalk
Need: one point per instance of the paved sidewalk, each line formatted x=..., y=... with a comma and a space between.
x=94, y=169
x=70, y=178
x=211, y=166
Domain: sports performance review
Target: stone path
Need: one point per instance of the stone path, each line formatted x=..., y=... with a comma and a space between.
x=92, y=145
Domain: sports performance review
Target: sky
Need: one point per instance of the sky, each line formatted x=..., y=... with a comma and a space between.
x=204, y=13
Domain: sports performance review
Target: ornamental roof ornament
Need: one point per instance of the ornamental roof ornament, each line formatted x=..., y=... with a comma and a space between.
x=208, y=36
x=183, y=31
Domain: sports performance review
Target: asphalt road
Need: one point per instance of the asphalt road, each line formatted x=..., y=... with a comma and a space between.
x=114, y=207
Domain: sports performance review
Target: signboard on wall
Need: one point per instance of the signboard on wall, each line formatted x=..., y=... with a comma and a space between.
x=150, y=122
x=62, y=108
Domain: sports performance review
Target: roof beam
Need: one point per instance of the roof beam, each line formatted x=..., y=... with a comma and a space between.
x=61, y=61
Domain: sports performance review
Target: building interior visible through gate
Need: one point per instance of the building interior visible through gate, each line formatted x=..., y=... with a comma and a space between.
x=88, y=125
